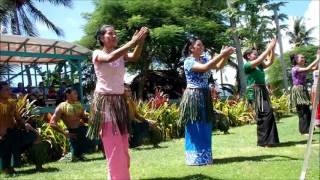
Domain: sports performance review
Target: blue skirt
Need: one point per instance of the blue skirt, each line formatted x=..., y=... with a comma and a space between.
x=198, y=143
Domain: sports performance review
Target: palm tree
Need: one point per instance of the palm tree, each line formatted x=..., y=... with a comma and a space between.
x=20, y=15
x=275, y=7
x=300, y=35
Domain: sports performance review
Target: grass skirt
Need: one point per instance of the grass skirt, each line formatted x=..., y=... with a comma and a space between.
x=196, y=113
x=106, y=108
x=196, y=104
x=299, y=96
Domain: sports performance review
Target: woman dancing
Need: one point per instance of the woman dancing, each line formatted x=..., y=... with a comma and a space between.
x=258, y=95
x=109, y=106
x=196, y=108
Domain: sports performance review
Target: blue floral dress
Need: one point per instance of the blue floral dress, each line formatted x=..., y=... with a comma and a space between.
x=198, y=127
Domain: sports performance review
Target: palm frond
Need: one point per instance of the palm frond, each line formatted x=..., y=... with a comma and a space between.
x=14, y=23
x=66, y=3
x=39, y=16
x=27, y=25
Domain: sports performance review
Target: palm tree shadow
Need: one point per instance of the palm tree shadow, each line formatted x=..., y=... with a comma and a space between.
x=32, y=171
x=189, y=177
x=251, y=158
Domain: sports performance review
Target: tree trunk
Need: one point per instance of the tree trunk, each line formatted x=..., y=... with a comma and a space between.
x=27, y=67
x=144, y=72
x=283, y=64
x=237, y=45
x=141, y=85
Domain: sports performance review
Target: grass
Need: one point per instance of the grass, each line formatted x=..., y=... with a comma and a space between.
x=236, y=156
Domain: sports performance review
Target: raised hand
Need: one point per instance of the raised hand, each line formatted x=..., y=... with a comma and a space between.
x=226, y=51
x=272, y=44
x=145, y=32
x=139, y=36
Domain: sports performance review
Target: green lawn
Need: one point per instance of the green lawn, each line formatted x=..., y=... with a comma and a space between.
x=236, y=156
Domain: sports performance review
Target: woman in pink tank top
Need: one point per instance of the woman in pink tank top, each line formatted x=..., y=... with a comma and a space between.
x=109, y=108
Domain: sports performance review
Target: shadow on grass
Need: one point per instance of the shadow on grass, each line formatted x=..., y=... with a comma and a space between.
x=222, y=133
x=190, y=177
x=33, y=171
x=251, y=158
x=96, y=158
x=148, y=148
x=316, y=132
x=291, y=143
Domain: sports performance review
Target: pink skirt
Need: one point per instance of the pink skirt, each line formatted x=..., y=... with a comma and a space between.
x=116, y=150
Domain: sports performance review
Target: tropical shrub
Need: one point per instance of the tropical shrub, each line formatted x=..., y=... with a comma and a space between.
x=30, y=113
x=235, y=111
x=58, y=142
x=26, y=109
x=166, y=117
x=280, y=105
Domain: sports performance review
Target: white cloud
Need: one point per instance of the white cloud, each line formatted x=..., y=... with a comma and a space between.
x=311, y=17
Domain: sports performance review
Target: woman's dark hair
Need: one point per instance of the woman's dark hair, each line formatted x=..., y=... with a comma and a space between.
x=3, y=83
x=68, y=91
x=186, y=49
x=100, y=33
x=293, y=59
x=247, y=52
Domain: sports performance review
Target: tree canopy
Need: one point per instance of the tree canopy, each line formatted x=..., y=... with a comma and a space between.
x=170, y=22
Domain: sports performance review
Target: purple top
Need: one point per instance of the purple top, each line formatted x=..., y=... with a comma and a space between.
x=298, y=78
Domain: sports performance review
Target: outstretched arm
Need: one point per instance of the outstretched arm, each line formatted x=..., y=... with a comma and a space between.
x=216, y=60
x=223, y=60
x=123, y=50
x=270, y=59
x=312, y=66
x=134, y=56
x=263, y=56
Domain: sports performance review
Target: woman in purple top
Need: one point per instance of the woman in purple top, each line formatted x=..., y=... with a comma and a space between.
x=299, y=97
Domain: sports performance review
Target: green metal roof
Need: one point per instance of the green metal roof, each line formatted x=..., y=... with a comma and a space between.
x=22, y=49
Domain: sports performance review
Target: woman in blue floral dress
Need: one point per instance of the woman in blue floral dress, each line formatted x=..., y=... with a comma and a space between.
x=196, y=108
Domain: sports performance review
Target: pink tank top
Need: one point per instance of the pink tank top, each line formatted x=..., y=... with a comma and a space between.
x=110, y=76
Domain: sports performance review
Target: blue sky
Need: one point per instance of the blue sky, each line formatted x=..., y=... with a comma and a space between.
x=294, y=7
x=71, y=21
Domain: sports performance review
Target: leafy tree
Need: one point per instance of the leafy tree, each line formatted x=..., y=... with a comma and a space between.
x=300, y=35
x=170, y=21
x=249, y=28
